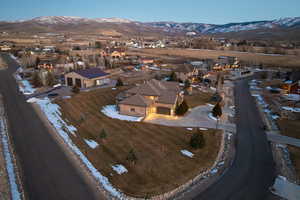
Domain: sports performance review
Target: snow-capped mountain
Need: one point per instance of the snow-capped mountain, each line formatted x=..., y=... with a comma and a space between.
x=65, y=20
x=66, y=23
x=231, y=27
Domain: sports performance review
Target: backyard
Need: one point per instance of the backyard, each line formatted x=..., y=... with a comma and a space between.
x=160, y=166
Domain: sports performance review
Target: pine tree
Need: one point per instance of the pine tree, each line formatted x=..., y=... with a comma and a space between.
x=50, y=79
x=217, y=110
x=173, y=77
x=182, y=108
x=187, y=84
x=131, y=157
x=197, y=140
x=103, y=135
x=36, y=80
x=119, y=82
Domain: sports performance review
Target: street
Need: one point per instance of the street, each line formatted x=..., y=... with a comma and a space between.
x=253, y=170
x=47, y=172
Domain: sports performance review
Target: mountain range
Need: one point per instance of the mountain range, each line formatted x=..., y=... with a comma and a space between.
x=125, y=26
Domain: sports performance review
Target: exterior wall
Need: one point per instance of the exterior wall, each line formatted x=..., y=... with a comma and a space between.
x=86, y=83
x=126, y=110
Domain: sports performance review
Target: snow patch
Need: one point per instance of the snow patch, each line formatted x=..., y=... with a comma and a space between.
x=210, y=115
x=92, y=144
x=203, y=129
x=16, y=195
x=26, y=87
x=111, y=111
x=291, y=109
x=52, y=111
x=187, y=153
x=120, y=169
x=189, y=129
x=32, y=100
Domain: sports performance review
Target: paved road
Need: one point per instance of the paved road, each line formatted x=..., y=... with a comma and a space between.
x=47, y=171
x=253, y=169
x=283, y=139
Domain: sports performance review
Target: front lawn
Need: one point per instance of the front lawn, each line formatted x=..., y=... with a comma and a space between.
x=198, y=98
x=160, y=166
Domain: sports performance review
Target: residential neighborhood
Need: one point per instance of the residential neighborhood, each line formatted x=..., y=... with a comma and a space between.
x=151, y=107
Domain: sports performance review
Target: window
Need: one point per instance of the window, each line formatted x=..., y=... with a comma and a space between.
x=132, y=109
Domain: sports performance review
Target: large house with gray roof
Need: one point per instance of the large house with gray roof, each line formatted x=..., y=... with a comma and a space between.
x=160, y=97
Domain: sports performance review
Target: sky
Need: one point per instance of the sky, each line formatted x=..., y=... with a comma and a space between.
x=202, y=11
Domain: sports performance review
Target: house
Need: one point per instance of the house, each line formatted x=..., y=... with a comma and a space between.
x=86, y=78
x=226, y=62
x=186, y=71
x=160, y=97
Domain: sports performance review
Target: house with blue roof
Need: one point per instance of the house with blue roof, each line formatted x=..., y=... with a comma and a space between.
x=86, y=78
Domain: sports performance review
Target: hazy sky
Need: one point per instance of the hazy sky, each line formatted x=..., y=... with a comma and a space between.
x=207, y=11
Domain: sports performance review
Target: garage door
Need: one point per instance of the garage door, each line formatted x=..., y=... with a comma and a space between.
x=163, y=110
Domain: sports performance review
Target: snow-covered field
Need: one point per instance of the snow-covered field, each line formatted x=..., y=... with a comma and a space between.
x=92, y=144
x=111, y=111
x=15, y=193
x=187, y=153
x=120, y=169
x=52, y=112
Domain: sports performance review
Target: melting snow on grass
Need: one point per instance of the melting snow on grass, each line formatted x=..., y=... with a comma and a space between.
x=93, y=144
x=120, y=169
x=291, y=109
x=16, y=195
x=187, y=153
x=203, y=129
x=52, y=111
x=111, y=111
x=26, y=87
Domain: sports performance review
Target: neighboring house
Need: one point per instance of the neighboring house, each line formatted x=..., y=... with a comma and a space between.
x=186, y=72
x=154, y=96
x=87, y=78
x=291, y=87
x=226, y=62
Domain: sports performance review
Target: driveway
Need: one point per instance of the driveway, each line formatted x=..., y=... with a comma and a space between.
x=196, y=117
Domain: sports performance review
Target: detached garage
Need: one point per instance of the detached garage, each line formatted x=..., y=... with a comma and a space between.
x=87, y=78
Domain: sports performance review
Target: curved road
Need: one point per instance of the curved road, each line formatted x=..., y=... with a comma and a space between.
x=253, y=170
x=47, y=172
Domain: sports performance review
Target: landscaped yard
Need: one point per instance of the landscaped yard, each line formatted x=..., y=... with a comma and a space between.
x=291, y=128
x=198, y=98
x=295, y=157
x=160, y=165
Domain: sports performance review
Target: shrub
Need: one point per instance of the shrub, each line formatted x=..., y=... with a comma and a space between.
x=103, y=135
x=197, y=140
x=182, y=108
x=36, y=80
x=119, y=83
x=131, y=157
x=75, y=89
x=217, y=110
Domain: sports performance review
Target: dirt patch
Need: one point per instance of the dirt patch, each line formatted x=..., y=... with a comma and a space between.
x=160, y=167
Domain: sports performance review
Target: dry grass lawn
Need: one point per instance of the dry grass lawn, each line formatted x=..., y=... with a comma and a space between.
x=295, y=157
x=198, y=98
x=268, y=60
x=160, y=166
x=290, y=128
